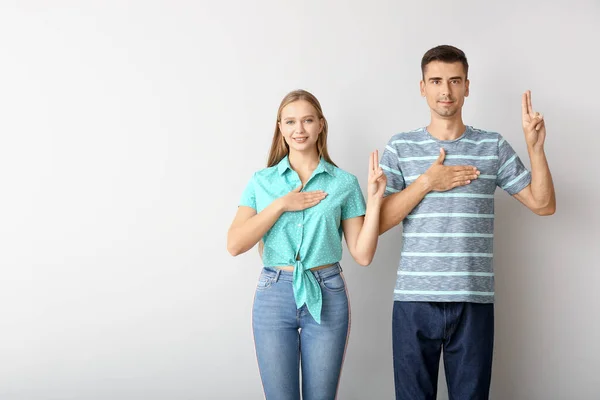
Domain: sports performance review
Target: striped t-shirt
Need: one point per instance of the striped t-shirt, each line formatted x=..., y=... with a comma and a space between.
x=447, y=247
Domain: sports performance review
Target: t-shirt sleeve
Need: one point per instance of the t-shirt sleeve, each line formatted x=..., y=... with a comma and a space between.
x=391, y=168
x=512, y=176
x=249, y=196
x=354, y=205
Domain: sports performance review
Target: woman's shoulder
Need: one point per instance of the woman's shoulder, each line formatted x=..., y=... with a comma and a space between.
x=343, y=175
x=265, y=173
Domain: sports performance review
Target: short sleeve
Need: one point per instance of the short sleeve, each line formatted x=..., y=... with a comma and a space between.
x=354, y=205
x=249, y=196
x=391, y=168
x=512, y=176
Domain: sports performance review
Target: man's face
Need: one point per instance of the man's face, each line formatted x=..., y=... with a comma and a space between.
x=445, y=87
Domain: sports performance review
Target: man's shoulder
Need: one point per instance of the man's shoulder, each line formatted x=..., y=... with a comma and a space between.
x=483, y=133
x=403, y=137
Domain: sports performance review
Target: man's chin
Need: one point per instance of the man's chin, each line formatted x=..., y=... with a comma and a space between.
x=446, y=113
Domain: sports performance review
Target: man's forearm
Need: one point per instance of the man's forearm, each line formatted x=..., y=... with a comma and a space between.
x=398, y=205
x=542, y=187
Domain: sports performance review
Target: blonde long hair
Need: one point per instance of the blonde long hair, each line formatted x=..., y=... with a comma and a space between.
x=279, y=148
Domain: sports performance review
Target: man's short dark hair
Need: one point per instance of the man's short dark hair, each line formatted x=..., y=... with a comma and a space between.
x=445, y=53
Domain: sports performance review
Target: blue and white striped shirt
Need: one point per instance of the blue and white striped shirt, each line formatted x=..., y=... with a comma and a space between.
x=447, y=248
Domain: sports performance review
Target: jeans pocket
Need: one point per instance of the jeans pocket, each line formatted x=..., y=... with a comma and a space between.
x=264, y=282
x=334, y=283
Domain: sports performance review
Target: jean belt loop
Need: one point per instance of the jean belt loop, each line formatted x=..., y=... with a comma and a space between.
x=340, y=267
x=277, y=274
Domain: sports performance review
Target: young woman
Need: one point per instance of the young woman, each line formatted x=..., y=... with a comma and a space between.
x=299, y=206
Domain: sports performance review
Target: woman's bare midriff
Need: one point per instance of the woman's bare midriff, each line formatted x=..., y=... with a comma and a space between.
x=291, y=267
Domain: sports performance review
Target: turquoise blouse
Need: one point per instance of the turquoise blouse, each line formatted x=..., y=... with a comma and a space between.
x=308, y=238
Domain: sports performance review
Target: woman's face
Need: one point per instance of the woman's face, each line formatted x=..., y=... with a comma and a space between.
x=300, y=126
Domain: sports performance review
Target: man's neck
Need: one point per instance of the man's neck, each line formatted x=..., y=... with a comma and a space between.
x=446, y=128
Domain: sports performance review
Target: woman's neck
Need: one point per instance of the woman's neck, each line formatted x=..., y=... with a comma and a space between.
x=304, y=163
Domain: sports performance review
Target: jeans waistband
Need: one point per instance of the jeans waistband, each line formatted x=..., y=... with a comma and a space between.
x=321, y=274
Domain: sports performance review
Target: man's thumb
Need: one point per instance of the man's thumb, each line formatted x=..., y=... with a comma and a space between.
x=440, y=159
x=299, y=188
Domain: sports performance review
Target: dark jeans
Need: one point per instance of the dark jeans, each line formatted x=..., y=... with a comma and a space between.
x=466, y=333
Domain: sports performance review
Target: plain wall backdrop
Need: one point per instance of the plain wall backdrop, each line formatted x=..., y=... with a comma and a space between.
x=130, y=128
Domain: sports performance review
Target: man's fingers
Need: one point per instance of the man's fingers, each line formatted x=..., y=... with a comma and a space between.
x=534, y=122
x=461, y=178
x=376, y=163
x=524, y=107
x=460, y=183
x=539, y=125
x=464, y=168
x=440, y=159
x=465, y=177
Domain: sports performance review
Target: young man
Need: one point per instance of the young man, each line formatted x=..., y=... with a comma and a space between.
x=444, y=292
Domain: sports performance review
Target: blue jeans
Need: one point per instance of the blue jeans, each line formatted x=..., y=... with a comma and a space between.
x=466, y=333
x=287, y=338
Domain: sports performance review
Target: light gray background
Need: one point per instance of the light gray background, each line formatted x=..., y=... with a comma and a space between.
x=129, y=130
